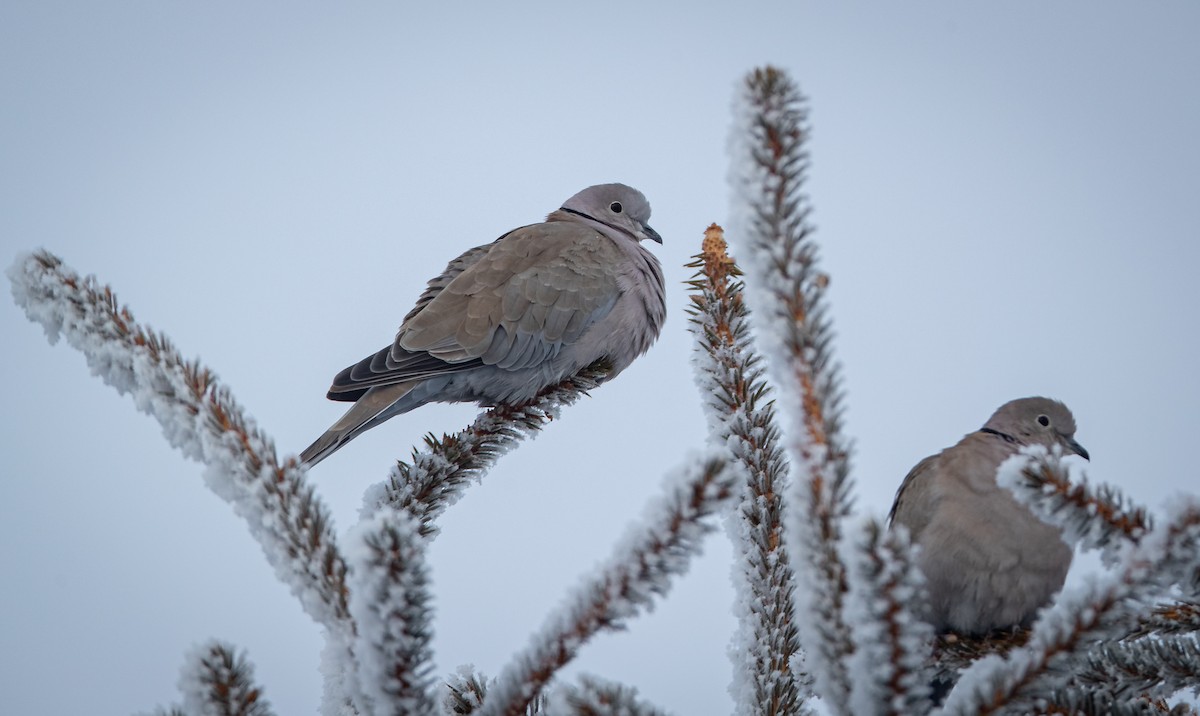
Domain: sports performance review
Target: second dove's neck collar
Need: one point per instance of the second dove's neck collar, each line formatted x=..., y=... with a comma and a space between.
x=1007, y=438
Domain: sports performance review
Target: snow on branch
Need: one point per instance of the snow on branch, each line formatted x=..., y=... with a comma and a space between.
x=1155, y=667
x=437, y=476
x=1175, y=618
x=1103, y=610
x=593, y=696
x=391, y=605
x=794, y=333
x=642, y=567
x=1095, y=518
x=892, y=643
x=218, y=681
x=200, y=418
x=740, y=416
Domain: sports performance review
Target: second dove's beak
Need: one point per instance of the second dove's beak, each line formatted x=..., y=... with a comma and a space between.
x=1076, y=448
x=651, y=234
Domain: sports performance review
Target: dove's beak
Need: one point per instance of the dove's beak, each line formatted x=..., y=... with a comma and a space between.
x=648, y=233
x=1077, y=448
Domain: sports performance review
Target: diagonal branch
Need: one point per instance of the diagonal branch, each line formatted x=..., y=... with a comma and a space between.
x=650, y=558
x=437, y=476
x=200, y=418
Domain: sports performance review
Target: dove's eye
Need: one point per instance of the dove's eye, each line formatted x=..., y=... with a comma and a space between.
x=1043, y=421
x=615, y=207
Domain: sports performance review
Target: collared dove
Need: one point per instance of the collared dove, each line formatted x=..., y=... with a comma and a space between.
x=509, y=318
x=988, y=562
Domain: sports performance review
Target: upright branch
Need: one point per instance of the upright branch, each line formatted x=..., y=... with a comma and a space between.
x=437, y=476
x=217, y=681
x=794, y=333
x=740, y=417
x=392, y=607
x=644, y=566
x=892, y=643
x=200, y=418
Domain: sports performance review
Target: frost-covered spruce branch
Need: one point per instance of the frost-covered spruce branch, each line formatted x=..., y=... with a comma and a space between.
x=391, y=605
x=1155, y=667
x=218, y=681
x=1076, y=701
x=892, y=643
x=1102, y=610
x=1094, y=518
x=794, y=334
x=643, y=566
x=437, y=476
x=740, y=416
x=593, y=696
x=200, y=418
x=1181, y=617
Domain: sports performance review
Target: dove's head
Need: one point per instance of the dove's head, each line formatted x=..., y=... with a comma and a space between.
x=616, y=206
x=1039, y=421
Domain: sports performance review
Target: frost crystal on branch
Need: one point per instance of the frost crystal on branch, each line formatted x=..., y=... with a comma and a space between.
x=216, y=681
x=437, y=476
x=1103, y=610
x=892, y=644
x=1100, y=518
x=200, y=418
x=598, y=697
x=651, y=556
x=730, y=379
x=390, y=603
x=793, y=331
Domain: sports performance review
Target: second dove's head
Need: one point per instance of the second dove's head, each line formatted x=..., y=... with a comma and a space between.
x=1040, y=421
x=616, y=206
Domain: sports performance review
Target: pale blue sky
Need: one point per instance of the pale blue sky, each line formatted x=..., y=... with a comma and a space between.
x=1006, y=202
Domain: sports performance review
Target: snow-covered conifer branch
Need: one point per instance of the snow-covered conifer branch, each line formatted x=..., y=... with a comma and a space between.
x=649, y=558
x=891, y=643
x=730, y=378
x=200, y=418
x=1155, y=667
x=217, y=681
x=1174, y=618
x=1095, y=518
x=391, y=605
x=593, y=696
x=464, y=693
x=1080, y=701
x=794, y=333
x=1103, y=610
x=437, y=476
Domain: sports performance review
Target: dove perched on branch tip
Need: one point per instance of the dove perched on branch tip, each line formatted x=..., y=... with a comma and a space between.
x=988, y=561
x=509, y=318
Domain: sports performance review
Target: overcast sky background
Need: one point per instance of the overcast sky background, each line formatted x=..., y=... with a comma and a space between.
x=1005, y=196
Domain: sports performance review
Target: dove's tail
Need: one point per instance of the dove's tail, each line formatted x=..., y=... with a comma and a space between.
x=370, y=410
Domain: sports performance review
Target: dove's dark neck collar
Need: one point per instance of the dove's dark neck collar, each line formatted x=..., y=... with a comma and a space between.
x=592, y=218
x=1007, y=438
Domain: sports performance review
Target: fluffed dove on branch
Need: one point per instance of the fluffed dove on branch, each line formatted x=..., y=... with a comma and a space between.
x=988, y=562
x=509, y=318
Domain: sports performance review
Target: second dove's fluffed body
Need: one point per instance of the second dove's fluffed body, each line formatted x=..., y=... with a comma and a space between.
x=988, y=562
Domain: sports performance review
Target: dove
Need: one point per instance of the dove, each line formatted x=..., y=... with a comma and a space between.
x=512, y=317
x=989, y=562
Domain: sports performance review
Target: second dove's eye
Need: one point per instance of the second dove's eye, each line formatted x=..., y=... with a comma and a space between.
x=1043, y=420
x=615, y=207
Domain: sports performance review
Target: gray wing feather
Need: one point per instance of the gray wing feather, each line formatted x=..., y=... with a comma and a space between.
x=913, y=508
x=519, y=304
